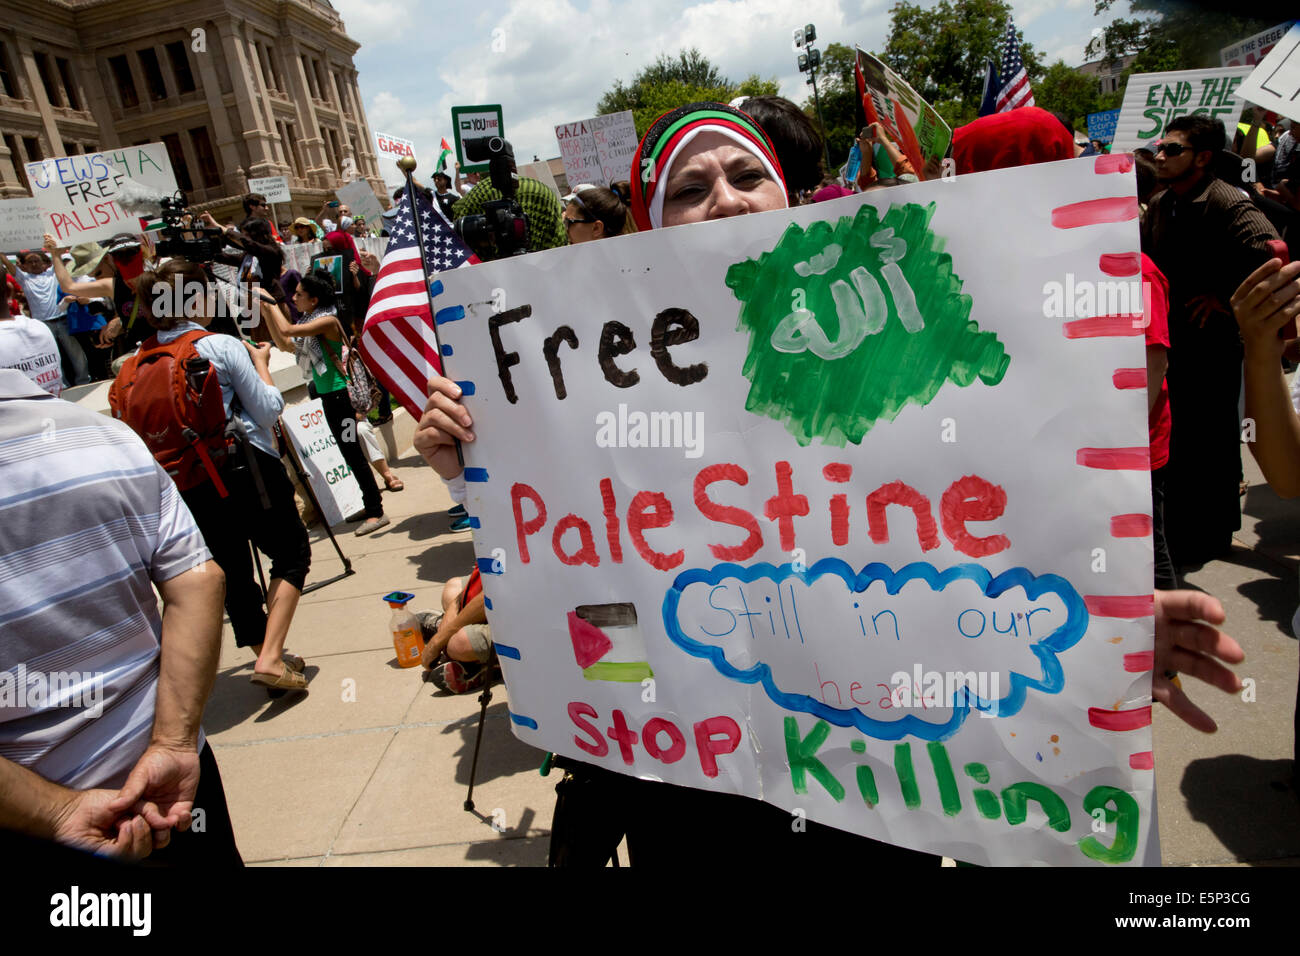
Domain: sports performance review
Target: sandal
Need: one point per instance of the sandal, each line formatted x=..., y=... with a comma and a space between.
x=288, y=679
x=293, y=661
x=393, y=483
x=371, y=525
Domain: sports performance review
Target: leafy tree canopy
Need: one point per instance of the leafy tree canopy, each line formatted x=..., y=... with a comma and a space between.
x=670, y=82
x=1172, y=34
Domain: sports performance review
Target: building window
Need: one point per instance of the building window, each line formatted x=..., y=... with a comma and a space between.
x=153, y=76
x=47, y=78
x=176, y=153
x=343, y=100
x=69, y=149
x=320, y=81
x=125, y=81
x=11, y=143
x=272, y=70
x=180, y=61
x=291, y=148
x=206, y=157
x=32, y=147
x=311, y=78
x=8, y=82
x=69, y=85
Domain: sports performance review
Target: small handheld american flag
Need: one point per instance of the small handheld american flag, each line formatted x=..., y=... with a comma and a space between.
x=397, y=339
x=1015, y=91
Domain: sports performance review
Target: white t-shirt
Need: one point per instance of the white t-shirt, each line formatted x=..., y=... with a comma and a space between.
x=28, y=346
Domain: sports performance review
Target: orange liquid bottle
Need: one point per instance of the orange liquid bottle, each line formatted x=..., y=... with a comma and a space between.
x=408, y=638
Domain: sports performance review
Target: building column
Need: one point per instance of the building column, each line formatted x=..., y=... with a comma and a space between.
x=257, y=148
x=95, y=95
x=226, y=146
x=49, y=126
x=364, y=134
x=318, y=173
x=271, y=165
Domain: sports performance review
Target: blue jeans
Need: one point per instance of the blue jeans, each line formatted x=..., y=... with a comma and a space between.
x=73, y=354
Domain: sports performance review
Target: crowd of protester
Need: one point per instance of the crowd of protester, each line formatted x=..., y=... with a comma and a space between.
x=1216, y=299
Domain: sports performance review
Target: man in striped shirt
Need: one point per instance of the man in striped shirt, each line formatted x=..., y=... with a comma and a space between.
x=100, y=695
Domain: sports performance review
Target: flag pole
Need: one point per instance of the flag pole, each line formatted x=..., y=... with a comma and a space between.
x=407, y=165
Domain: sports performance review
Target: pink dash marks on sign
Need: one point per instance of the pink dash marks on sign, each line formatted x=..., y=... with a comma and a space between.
x=1120, y=263
x=1130, y=526
x=1104, y=325
x=1140, y=662
x=1130, y=378
x=1112, y=163
x=1116, y=459
x=1127, y=606
x=1120, y=720
x=1094, y=212
x=1143, y=760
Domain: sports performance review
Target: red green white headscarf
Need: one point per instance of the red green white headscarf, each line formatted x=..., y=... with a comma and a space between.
x=671, y=133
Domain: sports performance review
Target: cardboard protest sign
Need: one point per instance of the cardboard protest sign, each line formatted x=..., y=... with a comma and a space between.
x=473, y=122
x=274, y=188
x=21, y=225
x=599, y=150
x=910, y=121
x=331, y=478
x=1252, y=50
x=1275, y=83
x=359, y=197
x=388, y=150
x=1152, y=100
x=541, y=171
x=77, y=194
x=1102, y=125
x=842, y=507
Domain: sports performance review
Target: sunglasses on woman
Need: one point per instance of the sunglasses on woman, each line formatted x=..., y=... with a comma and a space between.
x=570, y=223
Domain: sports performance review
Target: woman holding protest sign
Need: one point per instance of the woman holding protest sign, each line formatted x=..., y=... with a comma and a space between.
x=696, y=164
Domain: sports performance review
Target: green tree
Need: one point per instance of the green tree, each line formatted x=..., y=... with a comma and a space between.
x=1175, y=36
x=1074, y=95
x=670, y=82
x=942, y=51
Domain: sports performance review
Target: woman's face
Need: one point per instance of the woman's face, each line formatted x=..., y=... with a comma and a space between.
x=302, y=301
x=579, y=230
x=715, y=178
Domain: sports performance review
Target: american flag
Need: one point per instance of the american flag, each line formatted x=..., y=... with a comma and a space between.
x=1015, y=91
x=397, y=339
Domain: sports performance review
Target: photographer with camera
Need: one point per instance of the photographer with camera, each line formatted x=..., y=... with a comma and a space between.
x=507, y=215
x=228, y=472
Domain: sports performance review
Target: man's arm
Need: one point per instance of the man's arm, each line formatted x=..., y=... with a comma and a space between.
x=163, y=782
x=33, y=805
x=1267, y=300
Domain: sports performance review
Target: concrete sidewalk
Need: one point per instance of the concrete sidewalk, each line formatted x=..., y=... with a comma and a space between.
x=371, y=766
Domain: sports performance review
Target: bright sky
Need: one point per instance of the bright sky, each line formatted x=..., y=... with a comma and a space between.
x=548, y=61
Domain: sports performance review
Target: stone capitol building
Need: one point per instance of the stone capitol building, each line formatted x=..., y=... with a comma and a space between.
x=235, y=89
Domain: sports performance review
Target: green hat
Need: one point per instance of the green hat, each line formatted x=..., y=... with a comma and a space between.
x=86, y=256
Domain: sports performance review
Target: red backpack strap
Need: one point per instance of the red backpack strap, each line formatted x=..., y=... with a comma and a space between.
x=178, y=346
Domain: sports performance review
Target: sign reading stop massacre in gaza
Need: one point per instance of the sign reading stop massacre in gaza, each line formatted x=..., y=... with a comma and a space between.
x=779, y=513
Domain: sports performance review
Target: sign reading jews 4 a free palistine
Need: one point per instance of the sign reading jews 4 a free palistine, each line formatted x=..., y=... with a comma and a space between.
x=845, y=507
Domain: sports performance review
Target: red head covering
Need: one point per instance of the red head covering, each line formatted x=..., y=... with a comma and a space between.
x=1015, y=138
x=342, y=242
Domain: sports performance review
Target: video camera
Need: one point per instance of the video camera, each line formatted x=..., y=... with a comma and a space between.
x=501, y=230
x=194, y=241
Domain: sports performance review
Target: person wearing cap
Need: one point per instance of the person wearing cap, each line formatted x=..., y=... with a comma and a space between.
x=41, y=285
x=106, y=267
x=443, y=191
x=539, y=203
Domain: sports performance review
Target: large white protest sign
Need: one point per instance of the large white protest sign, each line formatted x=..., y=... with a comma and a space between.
x=388, y=150
x=1250, y=51
x=21, y=225
x=843, y=507
x=1275, y=82
x=1152, y=100
x=598, y=150
x=331, y=479
x=274, y=188
x=77, y=195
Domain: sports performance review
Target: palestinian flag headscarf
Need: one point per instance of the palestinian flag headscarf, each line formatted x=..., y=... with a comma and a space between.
x=671, y=133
